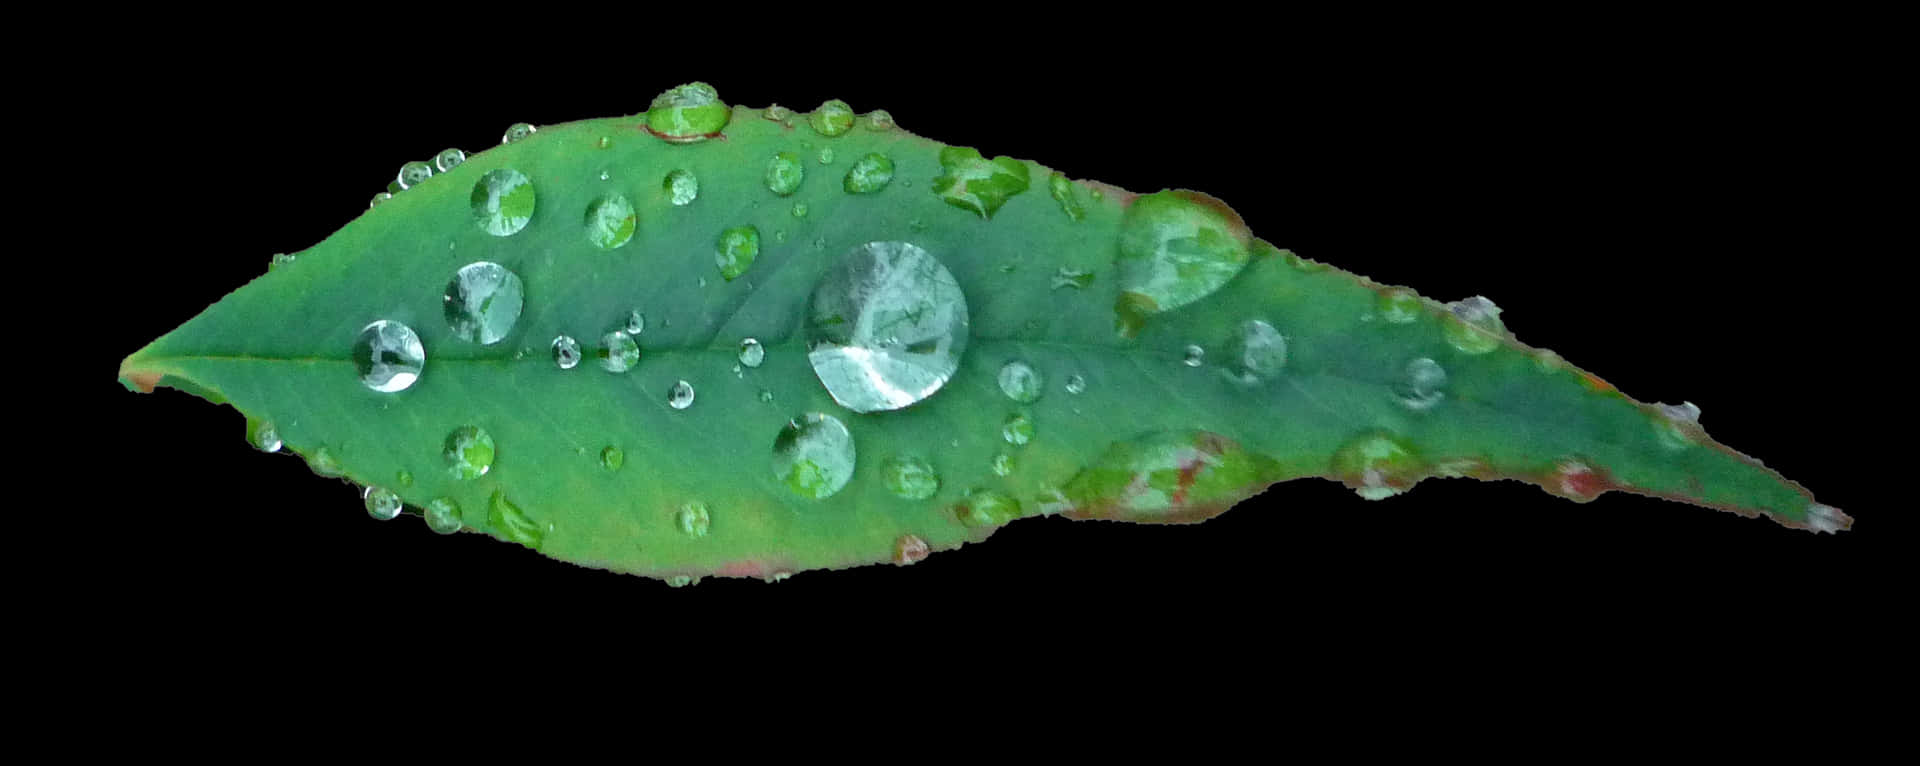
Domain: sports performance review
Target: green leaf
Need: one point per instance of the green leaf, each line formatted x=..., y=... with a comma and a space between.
x=1301, y=370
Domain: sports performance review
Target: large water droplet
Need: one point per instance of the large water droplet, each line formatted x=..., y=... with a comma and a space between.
x=971, y=182
x=1473, y=326
x=1165, y=476
x=736, y=251
x=618, y=352
x=1021, y=382
x=1176, y=247
x=442, y=515
x=262, y=435
x=1421, y=386
x=752, y=353
x=503, y=202
x=691, y=112
x=784, y=173
x=1017, y=430
x=507, y=518
x=693, y=519
x=449, y=159
x=886, y=326
x=832, y=118
x=868, y=174
x=987, y=508
x=468, y=452
x=681, y=187
x=813, y=455
x=381, y=504
x=909, y=477
x=388, y=356
x=517, y=131
x=482, y=302
x=566, y=352
x=680, y=396
x=1257, y=352
x=413, y=173
x=610, y=221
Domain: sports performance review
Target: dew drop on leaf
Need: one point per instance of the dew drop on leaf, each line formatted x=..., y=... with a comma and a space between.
x=680, y=396
x=468, y=452
x=449, y=159
x=1021, y=382
x=909, y=477
x=517, y=131
x=382, y=504
x=483, y=302
x=388, y=356
x=813, y=456
x=752, y=353
x=618, y=352
x=682, y=187
x=566, y=352
x=442, y=515
x=886, y=326
x=693, y=519
x=261, y=435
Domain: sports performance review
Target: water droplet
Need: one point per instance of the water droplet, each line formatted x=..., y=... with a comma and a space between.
x=752, y=353
x=324, y=463
x=1301, y=264
x=379, y=198
x=442, y=515
x=404, y=477
x=413, y=173
x=381, y=504
x=1257, y=352
x=909, y=477
x=971, y=182
x=693, y=519
x=263, y=436
x=1021, y=382
x=483, y=302
x=681, y=187
x=503, y=202
x=1063, y=193
x=832, y=118
x=799, y=211
x=735, y=252
x=1575, y=480
x=512, y=523
x=618, y=352
x=777, y=113
x=636, y=322
x=517, y=131
x=1018, y=430
x=1377, y=465
x=880, y=120
x=1076, y=384
x=388, y=356
x=468, y=452
x=1473, y=326
x=766, y=396
x=680, y=396
x=612, y=457
x=784, y=173
x=1193, y=356
x=566, y=352
x=681, y=581
x=987, y=508
x=1073, y=278
x=909, y=549
x=1684, y=412
x=1176, y=247
x=813, y=455
x=278, y=260
x=1421, y=386
x=1826, y=518
x=605, y=142
x=449, y=159
x=1398, y=305
x=1161, y=477
x=826, y=155
x=886, y=326
x=610, y=221
x=1002, y=464
x=869, y=174
x=690, y=112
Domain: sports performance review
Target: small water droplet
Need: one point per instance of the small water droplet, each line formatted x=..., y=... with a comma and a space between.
x=449, y=159
x=278, y=260
x=766, y=396
x=880, y=120
x=507, y=518
x=502, y=202
x=693, y=519
x=263, y=436
x=388, y=356
x=1002, y=464
x=1073, y=278
x=735, y=252
x=1256, y=352
x=777, y=113
x=381, y=504
x=636, y=322
x=681, y=581
x=1076, y=384
x=752, y=353
x=886, y=326
x=379, y=198
x=468, y=452
x=1194, y=356
x=909, y=477
x=517, y=132
x=909, y=549
x=442, y=515
x=612, y=457
x=869, y=174
x=987, y=508
x=826, y=155
x=680, y=396
x=1021, y=382
x=832, y=118
x=1062, y=191
x=404, y=477
x=1377, y=465
x=483, y=302
x=618, y=352
x=605, y=142
x=1421, y=385
x=785, y=173
x=1017, y=430
x=813, y=456
x=1398, y=305
x=566, y=352
x=1473, y=326
x=413, y=173
x=800, y=209
x=324, y=463
x=610, y=221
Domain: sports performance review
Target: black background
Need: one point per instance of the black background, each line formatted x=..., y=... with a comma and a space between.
x=1658, y=211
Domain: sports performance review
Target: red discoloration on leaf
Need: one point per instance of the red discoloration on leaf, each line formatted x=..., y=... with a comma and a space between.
x=909, y=549
x=143, y=380
x=1578, y=481
x=719, y=136
x=1594, y=382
